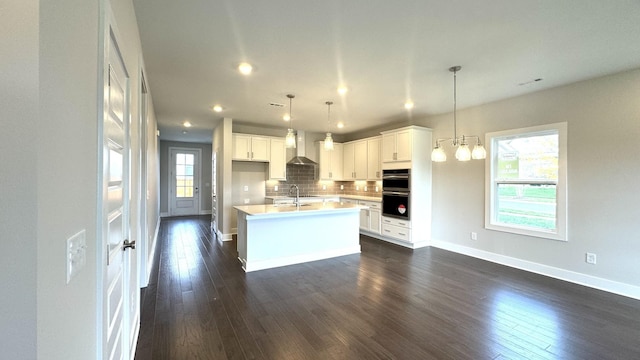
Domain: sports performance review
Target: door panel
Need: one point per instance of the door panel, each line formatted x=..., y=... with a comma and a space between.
x=185, y=181
x=120, y=303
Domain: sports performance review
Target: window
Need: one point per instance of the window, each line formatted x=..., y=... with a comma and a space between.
x=184, y=175
x=526, y=181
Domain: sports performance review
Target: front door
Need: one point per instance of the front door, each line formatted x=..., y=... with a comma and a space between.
x=119, y=303
x=185, y=182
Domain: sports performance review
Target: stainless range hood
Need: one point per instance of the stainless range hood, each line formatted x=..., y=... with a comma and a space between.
x=300, y=158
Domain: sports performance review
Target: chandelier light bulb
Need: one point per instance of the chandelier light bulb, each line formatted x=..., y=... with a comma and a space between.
x=479, y=152
x=290, y=139
x=328, y=142
x=463, y=153
x=438, y=155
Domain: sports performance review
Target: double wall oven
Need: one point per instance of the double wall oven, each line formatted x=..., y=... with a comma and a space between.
x=396, y=185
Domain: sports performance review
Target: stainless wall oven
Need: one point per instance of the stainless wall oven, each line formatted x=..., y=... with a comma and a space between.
x=396, y=185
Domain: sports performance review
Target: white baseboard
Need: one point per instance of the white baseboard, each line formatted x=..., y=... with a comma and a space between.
x=164, y=214
x=225, y=237
x=152, y=253
x=557, y=273
x=409, y=245
x=205, y=212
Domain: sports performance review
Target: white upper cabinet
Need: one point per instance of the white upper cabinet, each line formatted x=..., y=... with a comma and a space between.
x=278, y=160
x=360, y=160
x=397, y=145
x=374, y=165
x=355, y=160
x=330, y=161
x=250, y=147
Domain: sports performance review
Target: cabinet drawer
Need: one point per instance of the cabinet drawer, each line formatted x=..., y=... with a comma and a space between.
x=396, y=222
x=396, y=232
x=371, y=204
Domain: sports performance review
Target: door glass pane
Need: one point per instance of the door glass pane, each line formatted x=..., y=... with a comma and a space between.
x=184, y=179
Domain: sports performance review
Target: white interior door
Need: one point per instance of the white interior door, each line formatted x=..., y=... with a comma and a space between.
x=120, y=302
x=185, y=181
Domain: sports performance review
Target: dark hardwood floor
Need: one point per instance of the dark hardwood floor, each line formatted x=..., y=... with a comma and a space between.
x=386, y=303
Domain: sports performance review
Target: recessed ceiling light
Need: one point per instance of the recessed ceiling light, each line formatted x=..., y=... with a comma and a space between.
x=217, y=108
x=286, y=117
x=340, y=125
x=186, y=124
x=245, y=68
x=342, y=90
x=408, y=105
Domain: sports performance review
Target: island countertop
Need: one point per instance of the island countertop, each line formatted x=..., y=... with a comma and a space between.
x=263, y=211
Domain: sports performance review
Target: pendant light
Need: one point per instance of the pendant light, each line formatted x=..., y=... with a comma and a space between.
x=290, y=139
x=462, y=152
x=328, y=141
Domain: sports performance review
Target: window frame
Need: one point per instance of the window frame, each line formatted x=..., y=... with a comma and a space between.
x=491, y=184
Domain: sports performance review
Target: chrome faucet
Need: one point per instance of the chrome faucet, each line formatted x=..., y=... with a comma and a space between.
x=297, y=199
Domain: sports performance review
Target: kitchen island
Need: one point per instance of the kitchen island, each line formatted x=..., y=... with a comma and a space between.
x=278, y=235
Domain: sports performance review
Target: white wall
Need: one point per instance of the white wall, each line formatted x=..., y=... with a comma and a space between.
x=67, y=150
x=18, y=182
x=603, y=118
x=67, y=153
x=222, y=146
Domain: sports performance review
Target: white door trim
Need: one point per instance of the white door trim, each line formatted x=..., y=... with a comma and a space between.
x=122, y=328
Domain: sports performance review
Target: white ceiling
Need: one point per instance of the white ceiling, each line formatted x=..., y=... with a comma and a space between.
x=384, y=51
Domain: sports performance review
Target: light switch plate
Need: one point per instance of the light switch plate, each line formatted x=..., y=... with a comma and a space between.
x=246, y=188
x=76, y=254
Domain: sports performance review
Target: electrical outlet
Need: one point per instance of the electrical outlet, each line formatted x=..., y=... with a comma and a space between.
x=341, y=187
x=591, y=258
x=474, y=235
x=324, y=187
x=275, y=188
x=246, y=201
x=365, y=188
x=357, y=188
x=246, y=188
x=377, y=189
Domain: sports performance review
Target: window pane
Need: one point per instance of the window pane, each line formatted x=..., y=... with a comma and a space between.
x=528, y=158
x=180, y=158
x=180, y=192
x=188, y=170
x=189, y=158
x=527, y=206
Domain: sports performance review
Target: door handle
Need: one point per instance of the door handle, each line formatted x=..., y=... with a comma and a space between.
x=126, y=245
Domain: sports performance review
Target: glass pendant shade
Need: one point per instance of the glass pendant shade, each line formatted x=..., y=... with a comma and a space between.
x=478, y=152
x=463, y=153
x=328, y=142
x=290, y=139
x=438, y=155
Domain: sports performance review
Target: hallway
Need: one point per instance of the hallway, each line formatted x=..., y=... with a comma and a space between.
x=386, y=303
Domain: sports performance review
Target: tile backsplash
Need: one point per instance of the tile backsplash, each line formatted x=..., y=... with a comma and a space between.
x=305, y=177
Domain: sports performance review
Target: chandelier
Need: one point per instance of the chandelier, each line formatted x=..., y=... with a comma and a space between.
x=290, y=139
x=462, y=152
x=328, y=141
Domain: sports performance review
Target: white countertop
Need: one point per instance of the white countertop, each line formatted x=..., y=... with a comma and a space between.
x=364, y=198
x=330, y=196
x=292, y=210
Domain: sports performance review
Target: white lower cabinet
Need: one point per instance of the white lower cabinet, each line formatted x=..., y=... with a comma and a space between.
x=370, y=218
x=397, y=229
